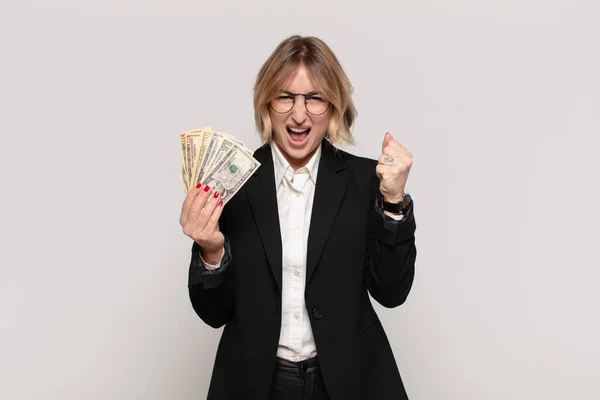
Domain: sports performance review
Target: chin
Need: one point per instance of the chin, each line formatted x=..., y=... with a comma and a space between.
x=299, y=154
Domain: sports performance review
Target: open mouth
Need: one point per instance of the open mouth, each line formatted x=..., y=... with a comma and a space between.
x=298, y=135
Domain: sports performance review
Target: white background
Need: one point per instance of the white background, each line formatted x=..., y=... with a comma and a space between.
x=499, y=101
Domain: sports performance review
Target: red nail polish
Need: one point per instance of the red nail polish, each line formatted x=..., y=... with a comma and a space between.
x=221, y=203
x=198, y=186
x=206, y=188
x=216, y=195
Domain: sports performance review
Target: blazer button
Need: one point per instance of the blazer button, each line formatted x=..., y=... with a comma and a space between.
x=317, y=313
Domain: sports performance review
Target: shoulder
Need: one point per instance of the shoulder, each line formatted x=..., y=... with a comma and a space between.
x=362, y=171
x=361, y=167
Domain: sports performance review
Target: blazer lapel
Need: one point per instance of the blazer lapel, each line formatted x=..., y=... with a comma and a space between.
x=332, y=181
x=263, y=201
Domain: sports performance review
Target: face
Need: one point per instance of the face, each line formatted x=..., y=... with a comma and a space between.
x=298, y=133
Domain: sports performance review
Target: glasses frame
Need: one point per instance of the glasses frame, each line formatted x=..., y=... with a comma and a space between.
x=306, y=96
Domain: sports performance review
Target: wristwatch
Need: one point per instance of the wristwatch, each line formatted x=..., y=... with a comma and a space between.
x=398, y=208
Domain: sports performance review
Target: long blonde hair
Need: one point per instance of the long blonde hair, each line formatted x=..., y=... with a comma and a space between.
x=324, y=68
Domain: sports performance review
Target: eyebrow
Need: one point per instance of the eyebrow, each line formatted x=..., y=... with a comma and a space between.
x=308, y=94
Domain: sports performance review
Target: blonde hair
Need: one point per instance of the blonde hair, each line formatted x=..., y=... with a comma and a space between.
x=323, y=67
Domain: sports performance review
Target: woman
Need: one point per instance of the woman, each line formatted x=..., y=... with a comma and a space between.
x=288, y=264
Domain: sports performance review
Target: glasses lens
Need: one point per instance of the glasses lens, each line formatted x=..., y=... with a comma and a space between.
x=316, y=105
x=282, y=104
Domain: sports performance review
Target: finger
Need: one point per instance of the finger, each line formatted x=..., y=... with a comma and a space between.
x=387, y=168
x=385, y=160
x=392, y=150
x=386, y=139
x=398, y=160
x=394, y=144
x=380, y=170
x=397, y=155
x=396, y=147
x=191, y=196
x=207, y=210
x=188, y=201
x=213, y=222
x=198, y=204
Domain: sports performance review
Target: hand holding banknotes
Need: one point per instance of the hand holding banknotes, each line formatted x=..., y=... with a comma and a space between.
x=215, y=167
x=200, y=221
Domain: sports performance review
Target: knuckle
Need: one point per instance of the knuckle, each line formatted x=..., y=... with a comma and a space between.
x=200, y=235
x=195, y=209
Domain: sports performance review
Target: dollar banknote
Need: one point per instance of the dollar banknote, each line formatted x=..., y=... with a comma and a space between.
x=216, y=159
x=231, y=173
x=191, y=142
x=222, y=147
x=201, y=153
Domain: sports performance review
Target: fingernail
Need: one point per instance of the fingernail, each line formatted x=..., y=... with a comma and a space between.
x=198, y=186
x=206, y=188
x=216, y=195
x=221, y=203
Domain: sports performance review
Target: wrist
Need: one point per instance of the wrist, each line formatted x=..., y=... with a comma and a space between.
x=211, y=252
x=393, y=199
x=211, y=256
x=393, y=206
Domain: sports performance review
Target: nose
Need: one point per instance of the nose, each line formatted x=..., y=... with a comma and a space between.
x=299, y=111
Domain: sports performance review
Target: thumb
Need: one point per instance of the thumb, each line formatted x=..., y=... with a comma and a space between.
x=386, y=139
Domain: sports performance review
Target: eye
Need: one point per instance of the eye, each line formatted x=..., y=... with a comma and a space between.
x=284, y=98
x=314, y=98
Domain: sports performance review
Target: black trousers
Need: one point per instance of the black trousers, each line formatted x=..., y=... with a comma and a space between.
x=297, y=381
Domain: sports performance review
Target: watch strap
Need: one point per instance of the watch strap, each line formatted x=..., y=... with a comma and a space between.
x=398, y=208
x=395, y=208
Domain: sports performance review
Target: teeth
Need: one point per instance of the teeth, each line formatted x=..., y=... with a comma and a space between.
x=296, y=130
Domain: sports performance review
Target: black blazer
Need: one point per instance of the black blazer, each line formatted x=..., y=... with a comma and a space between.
x=353, y=250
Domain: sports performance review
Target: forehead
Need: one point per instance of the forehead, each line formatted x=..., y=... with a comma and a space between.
x=300, y=81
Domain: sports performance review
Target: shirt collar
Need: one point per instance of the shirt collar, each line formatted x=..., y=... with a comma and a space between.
x=283, y=167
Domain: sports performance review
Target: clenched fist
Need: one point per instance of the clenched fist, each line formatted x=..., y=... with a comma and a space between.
x=200, y=221
x=392, y=169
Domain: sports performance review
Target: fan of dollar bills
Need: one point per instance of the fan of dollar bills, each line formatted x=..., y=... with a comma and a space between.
x=215, y=159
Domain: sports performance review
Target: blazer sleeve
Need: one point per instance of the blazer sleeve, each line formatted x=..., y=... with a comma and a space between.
x=391, y=254
x=211, y=291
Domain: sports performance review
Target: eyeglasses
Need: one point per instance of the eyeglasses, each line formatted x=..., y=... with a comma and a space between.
x=314, y=104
